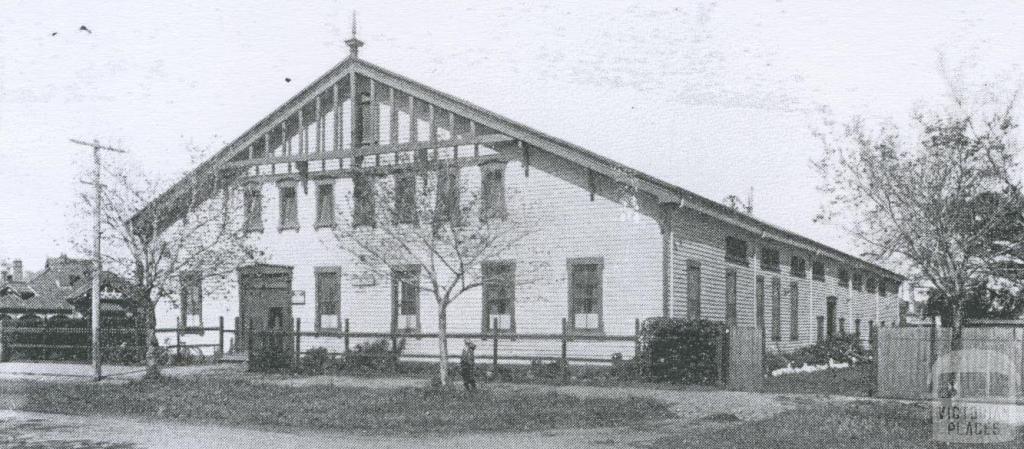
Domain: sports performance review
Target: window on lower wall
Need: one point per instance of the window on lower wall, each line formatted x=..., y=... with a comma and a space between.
x=585, y=291
x=499, y=296
x=794, y=311
x=191, y=299
x=776, y=309
x=730, y=296
x=405, y=287
x=328, y=299
x=693, y=290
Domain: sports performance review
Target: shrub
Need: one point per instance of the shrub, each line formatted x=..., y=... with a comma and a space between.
x=376, y=356
x=316, y=361
x=681, y=351
x=845, y=348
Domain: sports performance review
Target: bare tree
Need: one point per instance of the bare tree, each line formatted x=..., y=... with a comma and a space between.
x=937, y=196
x=155, y=244
x=432, y=222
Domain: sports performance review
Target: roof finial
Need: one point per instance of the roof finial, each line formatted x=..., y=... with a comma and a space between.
x=354, y=43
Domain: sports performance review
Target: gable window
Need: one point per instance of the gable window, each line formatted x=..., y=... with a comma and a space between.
x=492, y=192
x=447, y=201
x=858, y=281
x=776, y=309
x=794, y=311
x=843, y=277
x=363, y=210
x=693, y=289
x=818, y=271
x=328, y=299
x=499, y=294
x=405, y=292
x=324, y=205
x=289, y=206
x=191, y=299
x=730, y=296
x=769, y=259
x=736, y=251
x=798, y=267
x=253, y=200
x=585, y=290
x=405, y=198
x=870, y=284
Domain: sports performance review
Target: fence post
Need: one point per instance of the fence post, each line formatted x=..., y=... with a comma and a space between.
x=494, y=362
x=346, y=335
x=565, y=361
x=298, y=342
x=3, y=346
x=220, y=335
x=177, y=338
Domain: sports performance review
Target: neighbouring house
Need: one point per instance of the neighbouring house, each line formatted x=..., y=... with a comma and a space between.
x=61, y=290
x=620, y=245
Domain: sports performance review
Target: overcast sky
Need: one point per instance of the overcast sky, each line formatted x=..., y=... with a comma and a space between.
x=715, y=97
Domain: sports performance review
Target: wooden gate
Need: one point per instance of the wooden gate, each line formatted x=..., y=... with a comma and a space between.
x=745, y=364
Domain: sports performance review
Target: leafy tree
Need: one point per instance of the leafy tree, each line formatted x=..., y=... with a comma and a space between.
x=940, y=196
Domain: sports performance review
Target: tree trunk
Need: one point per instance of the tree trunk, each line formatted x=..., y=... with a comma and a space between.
x=956, y=325
x=442, y=344
x=152, y=345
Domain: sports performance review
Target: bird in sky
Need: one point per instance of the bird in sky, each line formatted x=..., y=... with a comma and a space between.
x=85, y=28
x=287, y=80
x=53, y=33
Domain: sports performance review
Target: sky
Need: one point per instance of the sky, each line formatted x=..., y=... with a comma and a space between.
x=716, y=97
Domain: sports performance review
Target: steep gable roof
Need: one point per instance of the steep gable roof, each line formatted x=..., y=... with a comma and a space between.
x=529, y=138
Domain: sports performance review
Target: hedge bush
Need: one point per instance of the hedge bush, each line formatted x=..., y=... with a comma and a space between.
x=681, y=351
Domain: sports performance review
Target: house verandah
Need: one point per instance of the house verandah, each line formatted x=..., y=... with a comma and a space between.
x=618, y=245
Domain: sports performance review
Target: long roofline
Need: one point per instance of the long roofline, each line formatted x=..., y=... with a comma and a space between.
x=662, y=189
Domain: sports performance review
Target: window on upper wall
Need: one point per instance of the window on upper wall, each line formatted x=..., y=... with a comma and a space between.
x=405, y=291
x=405, y=198
x=798, y=267
x=289, y=207
x=492, y=192
x=818, y=271
x=870, y=284
x=858, y=281
x=368, y=120
x=843, y=277
x=499, y=295
x=736, y=251
x=253, y=200
x=324, y=205
x=447, y=201
x=191, y=300
x=585, y=294
x=769, y=259
x=328, y=299
x=883, y=286
x=363, y=210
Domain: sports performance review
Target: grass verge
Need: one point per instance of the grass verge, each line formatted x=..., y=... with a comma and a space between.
x=408, y=410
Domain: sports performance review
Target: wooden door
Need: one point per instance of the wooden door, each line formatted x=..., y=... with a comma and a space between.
x=264, y=303
x=830, y=316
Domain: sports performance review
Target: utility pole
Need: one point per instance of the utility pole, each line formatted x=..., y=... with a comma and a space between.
x=97, y=261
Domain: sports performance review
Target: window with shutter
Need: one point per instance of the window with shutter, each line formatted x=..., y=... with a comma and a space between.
x=585, y=295
x=447, y=201
x=289, y=207
x=776, y=309
x=325, y=205
x=253, y=200
x=328, y=299
x=191, y=300
x=363, y=210
x=405, y=198
x=492, y=192
x=693, y=290
x=794, y=311
x=406, y=296
x=499, y=296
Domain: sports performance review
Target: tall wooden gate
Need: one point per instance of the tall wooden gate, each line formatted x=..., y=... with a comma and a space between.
x=745, y=363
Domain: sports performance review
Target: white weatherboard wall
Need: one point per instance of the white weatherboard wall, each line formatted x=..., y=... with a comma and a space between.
x=571, y=225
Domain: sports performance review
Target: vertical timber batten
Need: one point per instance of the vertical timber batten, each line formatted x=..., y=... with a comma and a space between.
x=667, y=222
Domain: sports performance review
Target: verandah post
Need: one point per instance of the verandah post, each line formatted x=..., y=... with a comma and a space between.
x=565, y=361
x=298, y=343
x=494, y=361
x=346, y=335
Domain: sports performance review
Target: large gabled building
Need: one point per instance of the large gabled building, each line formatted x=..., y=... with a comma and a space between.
x=619, y=245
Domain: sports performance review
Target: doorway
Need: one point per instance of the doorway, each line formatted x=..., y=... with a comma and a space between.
x=830, y=316
x=264, y=308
